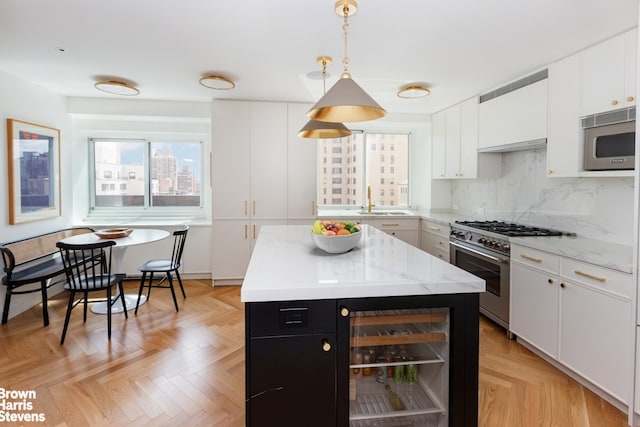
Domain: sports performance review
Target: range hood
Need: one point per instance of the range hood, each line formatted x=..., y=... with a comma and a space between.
x=533, y=144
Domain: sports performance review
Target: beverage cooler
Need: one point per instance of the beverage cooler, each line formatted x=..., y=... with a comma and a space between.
x=399, y=367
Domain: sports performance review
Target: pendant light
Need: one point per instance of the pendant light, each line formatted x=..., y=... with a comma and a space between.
x=323, y=130
x=346, y=101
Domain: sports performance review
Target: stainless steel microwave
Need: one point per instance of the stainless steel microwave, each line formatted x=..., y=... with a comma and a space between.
x=610, y=147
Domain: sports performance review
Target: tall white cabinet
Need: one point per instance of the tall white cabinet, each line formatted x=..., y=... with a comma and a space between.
x=262, y=174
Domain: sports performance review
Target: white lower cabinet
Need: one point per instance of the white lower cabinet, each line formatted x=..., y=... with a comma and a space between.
x=577, y=313
x=405, y=229
x=435, y=239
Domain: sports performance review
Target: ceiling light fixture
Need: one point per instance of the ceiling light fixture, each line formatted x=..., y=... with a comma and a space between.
x=116, y=87
x=323, y=130
x=413, y=91
x=217, y=82
x=346, y=101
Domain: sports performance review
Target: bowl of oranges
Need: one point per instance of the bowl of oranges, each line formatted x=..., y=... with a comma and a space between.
x=335, y=237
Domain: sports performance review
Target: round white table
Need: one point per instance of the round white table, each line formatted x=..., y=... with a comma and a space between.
x=138, y=236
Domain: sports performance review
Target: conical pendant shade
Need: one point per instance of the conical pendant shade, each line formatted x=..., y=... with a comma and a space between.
x=323, y=130
x=346, y=101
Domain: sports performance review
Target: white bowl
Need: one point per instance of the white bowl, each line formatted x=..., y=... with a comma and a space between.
x=336, y=244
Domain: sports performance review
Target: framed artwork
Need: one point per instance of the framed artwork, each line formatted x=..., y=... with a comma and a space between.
x=34, y=171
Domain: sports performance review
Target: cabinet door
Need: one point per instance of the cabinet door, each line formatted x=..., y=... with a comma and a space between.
x=231, y=167
x=603, y=76
x=630, y=66
x=595, y=337
x=438, y=143
x=268, y=159
x=452, y=144
x=293, y=381
x=564, y=140
x=534, y=307
x=231, y=249
x=469, y=139
x=302, y=176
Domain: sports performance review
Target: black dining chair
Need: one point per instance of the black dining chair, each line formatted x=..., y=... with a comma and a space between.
x=88, y=269
x=165, y=266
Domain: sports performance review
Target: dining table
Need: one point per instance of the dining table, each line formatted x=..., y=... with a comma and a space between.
x=137, y=236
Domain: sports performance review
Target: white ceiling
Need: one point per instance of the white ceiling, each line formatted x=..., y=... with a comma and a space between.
x=458, y=47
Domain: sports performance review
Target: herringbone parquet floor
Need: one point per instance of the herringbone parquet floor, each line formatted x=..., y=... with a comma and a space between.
x=164, y=368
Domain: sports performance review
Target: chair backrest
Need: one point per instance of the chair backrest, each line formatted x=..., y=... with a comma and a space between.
x=87, y=265
x=180, y=236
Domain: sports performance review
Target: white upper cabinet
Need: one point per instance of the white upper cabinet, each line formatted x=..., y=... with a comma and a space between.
x=564, y=140
x=515, y=117
x=302, y=176
x=455, y=145
x=609, y=74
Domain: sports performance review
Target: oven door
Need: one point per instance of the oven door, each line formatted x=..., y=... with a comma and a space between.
x=494, y=269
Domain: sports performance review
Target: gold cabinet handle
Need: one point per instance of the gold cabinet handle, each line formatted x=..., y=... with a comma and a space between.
x=254, y=207
x=391, y=225
x=591, y=276
x=246, y=206
x=254, y=232
x=433, y=228
x=326, y=345
x=344, y=312
x=313, y=207
x=630, y=99
x=614, y=102
x=530, y=258
x=246, y=231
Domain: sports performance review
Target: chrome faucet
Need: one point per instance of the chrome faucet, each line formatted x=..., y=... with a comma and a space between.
x=369, y=204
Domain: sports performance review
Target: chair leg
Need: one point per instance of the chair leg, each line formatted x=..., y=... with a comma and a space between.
x=85, y=305
x=72, y=296
x=45, y=308
x=150, y=285
x=109, y=312
x=144, y=276
x=7, y=302
x=124, y=303
x=180, y=283
x=173, y=292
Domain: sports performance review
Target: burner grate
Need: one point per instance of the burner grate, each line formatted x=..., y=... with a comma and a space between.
x=510, y=229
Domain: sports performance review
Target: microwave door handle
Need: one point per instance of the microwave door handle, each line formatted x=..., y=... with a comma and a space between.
x=483, y=255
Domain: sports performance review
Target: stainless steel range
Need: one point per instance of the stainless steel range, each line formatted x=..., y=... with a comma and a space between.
x=482, y=248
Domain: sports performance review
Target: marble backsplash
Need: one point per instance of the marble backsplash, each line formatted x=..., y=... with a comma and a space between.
x=597, y=208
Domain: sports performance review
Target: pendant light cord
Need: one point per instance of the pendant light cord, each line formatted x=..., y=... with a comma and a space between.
x=345, y=27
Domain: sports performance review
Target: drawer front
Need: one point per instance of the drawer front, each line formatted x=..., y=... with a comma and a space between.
x=540, y=260
x=390, y=224
x=436, y=245
x=436, y=228
x=283, y=318
x=598, y=277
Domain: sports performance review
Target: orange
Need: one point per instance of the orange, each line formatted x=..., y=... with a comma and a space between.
x=342, y=232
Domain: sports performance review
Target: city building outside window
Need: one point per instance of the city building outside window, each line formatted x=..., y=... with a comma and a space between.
x=389, y=184
x=145, y=174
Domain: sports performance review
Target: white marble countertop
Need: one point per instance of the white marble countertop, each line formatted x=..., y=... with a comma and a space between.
x=598, y=252
x=286, y=265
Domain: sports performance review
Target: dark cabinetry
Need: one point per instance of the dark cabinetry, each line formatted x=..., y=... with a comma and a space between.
x=300, y=361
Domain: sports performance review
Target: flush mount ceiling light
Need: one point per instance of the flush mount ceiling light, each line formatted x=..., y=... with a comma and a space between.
x=323, y=130
x=346, y=101
x=217, y=82
x=117, y=87
x=413, y=91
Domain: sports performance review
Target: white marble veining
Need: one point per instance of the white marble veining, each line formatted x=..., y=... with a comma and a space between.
x=286, y=265
x=593, y=207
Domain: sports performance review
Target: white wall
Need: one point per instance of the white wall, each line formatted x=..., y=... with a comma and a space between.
x=25, y=101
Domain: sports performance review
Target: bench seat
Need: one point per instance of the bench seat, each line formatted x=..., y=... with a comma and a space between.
x=34, y=260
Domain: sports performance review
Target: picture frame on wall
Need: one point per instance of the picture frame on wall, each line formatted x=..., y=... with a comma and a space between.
x=34, y=171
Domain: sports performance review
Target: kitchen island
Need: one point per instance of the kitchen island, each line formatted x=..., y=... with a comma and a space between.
x=319, y=325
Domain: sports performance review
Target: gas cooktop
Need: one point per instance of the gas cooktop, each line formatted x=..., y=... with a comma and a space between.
x=509, y=229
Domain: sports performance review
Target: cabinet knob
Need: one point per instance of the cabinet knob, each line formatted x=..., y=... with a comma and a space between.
x=562, y=285
x=630, y=99
x=344, y=312
x=326, y=345
x=614, y=102
x=551, y=282
x=550, y=172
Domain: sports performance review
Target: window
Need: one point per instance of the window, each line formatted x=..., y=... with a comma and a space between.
x=146, y=174
x=389, y=185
